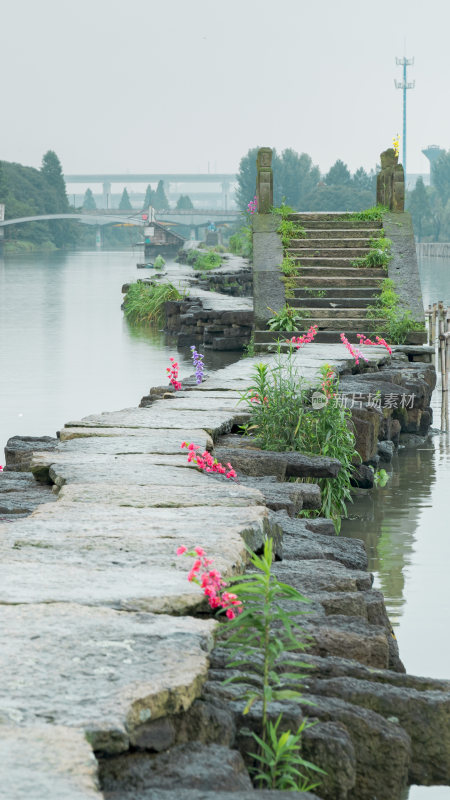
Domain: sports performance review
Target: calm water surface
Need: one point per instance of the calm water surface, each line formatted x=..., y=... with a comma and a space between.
x=66, y=351
x=65, y=347
x=406, y=527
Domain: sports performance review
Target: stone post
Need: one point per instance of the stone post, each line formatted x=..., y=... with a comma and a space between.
x=391, y=182
x=268, y=288
x=264, y=180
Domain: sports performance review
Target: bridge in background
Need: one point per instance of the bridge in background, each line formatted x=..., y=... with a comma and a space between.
x=194, y=219
x=224, y=181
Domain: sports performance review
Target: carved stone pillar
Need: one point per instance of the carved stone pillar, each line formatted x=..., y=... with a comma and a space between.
x=391, y=182
x=264, y=180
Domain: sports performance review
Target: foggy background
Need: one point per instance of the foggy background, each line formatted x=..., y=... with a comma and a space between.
x=190, y=86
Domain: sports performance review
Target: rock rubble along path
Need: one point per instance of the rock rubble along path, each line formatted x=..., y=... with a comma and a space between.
x=104, y=645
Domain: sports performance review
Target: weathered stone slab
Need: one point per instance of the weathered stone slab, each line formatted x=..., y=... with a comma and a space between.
x=150, y=469
x=425, y=716
x=18, y=450
x=217, y=493
x=187, y=766
x=141, y=468
x=300, y=542
x=132, y=440
x=268, y=462
x=315, y=576
x=199, y=794
x=214, y=422
x=99, y=670
x=43, y=762
x=121, y=557
x=198, y=401
x=280, y=496
x=20, y=494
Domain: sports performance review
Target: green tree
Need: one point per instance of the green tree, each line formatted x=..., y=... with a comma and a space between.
x=149, y=198
x=296, y=177
x=160, y=201
x=3, y=184
x=184, y=203
x=418, y=204
x=52, y=171
x=362, y=180
x=125, y=204
x=89, y=202
x=246, y=178
x=440, y=177
x=338, y=198
x=339, y=174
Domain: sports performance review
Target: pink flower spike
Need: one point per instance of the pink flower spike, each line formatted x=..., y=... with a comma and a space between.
x=180, y=550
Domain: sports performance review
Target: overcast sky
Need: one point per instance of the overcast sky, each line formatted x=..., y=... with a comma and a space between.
x=177, y=85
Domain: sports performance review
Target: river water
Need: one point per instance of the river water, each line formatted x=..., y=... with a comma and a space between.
x=66, y=351
x=406, y=529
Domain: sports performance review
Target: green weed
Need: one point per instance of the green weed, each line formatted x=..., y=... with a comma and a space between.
x=145, y=304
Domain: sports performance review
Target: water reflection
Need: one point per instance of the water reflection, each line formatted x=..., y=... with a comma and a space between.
x=66, y=349
x=387, y=521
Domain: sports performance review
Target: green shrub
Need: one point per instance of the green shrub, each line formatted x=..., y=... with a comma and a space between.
x=145, y=304
x=261, y=639
x=284, y=418
x=395, y=321
x=379, y=254
x=288, y=319
x=373, y=213
x=207, y=261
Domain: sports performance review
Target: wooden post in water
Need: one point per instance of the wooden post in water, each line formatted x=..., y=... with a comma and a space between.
x=443, y=345
x=433, y=325
x=428, y=318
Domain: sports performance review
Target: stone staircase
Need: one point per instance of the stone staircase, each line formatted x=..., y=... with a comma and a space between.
x=329, y=291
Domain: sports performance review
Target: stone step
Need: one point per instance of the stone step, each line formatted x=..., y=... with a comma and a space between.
x=332, y=335
x=342, y=233
x=346, y=272
x=324, y=280
x=323, y=221
x=317, y=243
x=263, y=342
x=333, y=313
x=319, y=261
x=326, y=252
x=325, y=302
x=336, y=294
x=343, y=324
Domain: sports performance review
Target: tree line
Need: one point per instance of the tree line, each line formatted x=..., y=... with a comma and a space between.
x=29, y=192
x=299, y=183
x=429, y=206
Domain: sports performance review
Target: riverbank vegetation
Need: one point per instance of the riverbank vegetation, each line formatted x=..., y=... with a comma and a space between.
x=284, y=418
x=395, y=322
x=145, y=304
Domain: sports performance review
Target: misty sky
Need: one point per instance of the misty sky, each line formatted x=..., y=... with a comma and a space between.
x=176, y=85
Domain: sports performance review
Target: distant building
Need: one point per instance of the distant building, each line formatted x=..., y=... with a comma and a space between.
x=432, y=152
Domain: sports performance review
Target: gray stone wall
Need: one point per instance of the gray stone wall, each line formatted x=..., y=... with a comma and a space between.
x=403, y=269
x=218, y=329
x=268, y=286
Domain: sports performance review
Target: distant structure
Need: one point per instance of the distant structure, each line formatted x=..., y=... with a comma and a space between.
x=432, y=152
x=404, y=85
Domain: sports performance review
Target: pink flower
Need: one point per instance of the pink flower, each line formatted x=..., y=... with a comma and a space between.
x=199, y=551
x=230, y=614
x=180, y=550
x=354, y=352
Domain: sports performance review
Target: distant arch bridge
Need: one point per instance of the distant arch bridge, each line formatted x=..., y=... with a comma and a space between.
x=191, y=218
